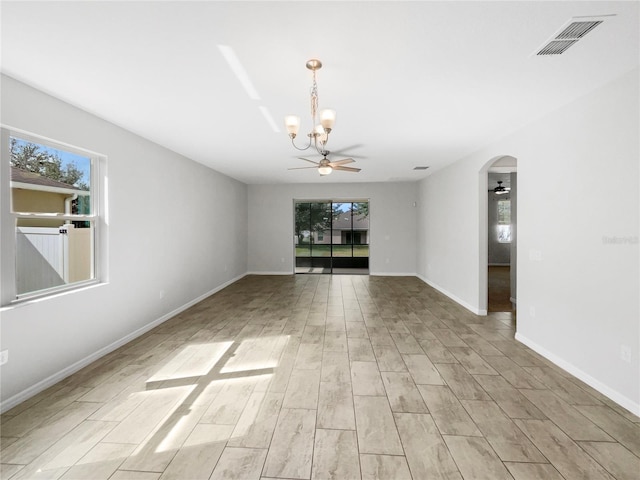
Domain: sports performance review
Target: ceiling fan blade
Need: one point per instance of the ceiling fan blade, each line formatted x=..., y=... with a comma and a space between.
x=346, y=169
x=342, y=162
x=310, y=161
x=300, y=168
x=346, y=149
x=350, y=147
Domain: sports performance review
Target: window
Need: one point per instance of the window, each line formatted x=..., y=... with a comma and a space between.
x=504, y=221
x=52, y=214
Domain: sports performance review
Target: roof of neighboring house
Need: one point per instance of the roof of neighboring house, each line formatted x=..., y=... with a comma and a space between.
x=23, y=176
x=343, y=222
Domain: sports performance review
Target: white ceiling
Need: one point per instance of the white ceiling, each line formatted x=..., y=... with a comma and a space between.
x=415, y=83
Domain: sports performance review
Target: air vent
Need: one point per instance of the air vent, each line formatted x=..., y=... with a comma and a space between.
x=574, y=30
x=578, y=29
x=420, y=168
x=556, y=47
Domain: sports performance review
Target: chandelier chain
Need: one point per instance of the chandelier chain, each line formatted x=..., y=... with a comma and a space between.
x=314, y=98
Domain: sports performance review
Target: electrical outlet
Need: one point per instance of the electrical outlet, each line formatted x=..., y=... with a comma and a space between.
x=535, y=255
x=161, y=294
x=4, y=357
x=532, y=311
x=625, y=353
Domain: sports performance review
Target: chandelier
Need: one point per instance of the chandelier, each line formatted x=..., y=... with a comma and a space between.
x=322, y=124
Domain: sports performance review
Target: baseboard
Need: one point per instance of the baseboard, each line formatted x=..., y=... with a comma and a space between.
x=373, y=274
x=393, y=274
x=269, y=273
x=456, y=299
x=608, y=392
x=29, y=392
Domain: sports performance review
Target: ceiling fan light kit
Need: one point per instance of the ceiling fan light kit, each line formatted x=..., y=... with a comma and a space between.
x=323, y=123
x=324, y=168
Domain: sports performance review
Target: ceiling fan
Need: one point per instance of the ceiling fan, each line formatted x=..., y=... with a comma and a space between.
x=325, y=167
x=500, y=190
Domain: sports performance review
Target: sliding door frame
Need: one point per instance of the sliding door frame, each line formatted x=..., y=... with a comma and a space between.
x=351, y=262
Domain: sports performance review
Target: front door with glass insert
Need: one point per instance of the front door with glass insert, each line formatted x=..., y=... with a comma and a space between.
x=331, y=236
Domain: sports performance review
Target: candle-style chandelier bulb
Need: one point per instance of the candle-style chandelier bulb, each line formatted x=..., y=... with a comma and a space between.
x=292, y=123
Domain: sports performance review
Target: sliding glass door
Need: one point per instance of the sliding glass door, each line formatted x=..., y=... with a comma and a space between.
x=331, y=237
x=313, y=237
x=350, y=237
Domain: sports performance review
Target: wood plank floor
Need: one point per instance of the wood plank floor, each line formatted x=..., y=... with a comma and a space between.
x=320, y=377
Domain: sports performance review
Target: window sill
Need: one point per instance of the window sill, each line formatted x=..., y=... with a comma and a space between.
x=26, y=300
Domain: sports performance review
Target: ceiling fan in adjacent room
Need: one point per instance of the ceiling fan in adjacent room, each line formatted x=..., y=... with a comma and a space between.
x=325, y=167
x=500, y=190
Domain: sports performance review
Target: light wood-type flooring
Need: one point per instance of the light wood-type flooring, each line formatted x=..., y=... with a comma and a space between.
x=322, y=377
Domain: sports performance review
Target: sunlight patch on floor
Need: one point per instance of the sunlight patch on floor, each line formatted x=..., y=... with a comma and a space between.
x=192, y=361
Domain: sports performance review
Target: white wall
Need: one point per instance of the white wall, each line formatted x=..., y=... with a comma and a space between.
x=392, y=223
x=448, y=226
x=578, y=185
x=174, y=225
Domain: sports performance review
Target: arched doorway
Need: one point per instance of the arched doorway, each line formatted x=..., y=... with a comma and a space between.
x=498, y=235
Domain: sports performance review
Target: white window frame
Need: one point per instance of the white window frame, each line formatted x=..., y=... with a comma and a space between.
x=8, y=218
